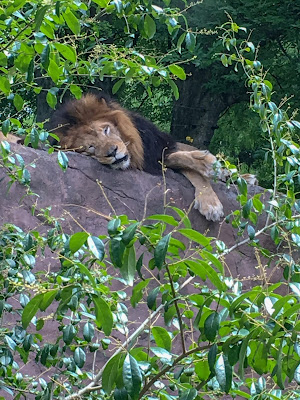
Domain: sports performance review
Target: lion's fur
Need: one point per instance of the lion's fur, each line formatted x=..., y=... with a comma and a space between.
x=10, y=138
x=145, y=143
x=75, y=118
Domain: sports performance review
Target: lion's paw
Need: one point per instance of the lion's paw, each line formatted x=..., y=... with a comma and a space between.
x=250, y=179
x=211, y=208
x=208, y=165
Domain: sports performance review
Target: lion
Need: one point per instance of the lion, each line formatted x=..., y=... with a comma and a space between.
x=99, y=127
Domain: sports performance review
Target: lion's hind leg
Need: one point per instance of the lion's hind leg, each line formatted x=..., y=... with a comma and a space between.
x=206, y=200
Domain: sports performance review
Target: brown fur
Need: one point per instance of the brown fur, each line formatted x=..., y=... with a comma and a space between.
x=10, y=138
x=86, y=112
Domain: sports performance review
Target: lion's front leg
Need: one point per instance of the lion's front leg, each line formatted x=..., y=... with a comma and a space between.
x=201, y=161
x=206, y=200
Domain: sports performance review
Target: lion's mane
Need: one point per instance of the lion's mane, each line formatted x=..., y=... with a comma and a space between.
x=146, y=143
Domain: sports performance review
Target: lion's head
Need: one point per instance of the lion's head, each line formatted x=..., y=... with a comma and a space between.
x=101, y=140
x=100, y=129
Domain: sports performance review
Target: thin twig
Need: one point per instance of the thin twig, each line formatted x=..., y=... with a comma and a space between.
x=177, y=310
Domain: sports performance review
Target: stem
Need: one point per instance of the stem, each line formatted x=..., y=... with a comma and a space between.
x=169, y=367
x=177, y=311
x=14, y=38
x=274, y=171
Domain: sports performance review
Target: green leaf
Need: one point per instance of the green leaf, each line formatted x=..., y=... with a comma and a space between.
x=295, y=288
x=31, y=309
x=139, y=265
x=149, y=26
x=137, y=292
x=180, y=41
x=51, y=99
x=39, y=17
x=77, y=241
x=224, y=60
x=45, y=57
x=160, y=251
x=132, y=377
x=117, y=86
x=85, y=271
x=113, y=226
x=18, y=102
x=88, y=331
x=128, y=233
x=47, y=299
x=72, y=21
x=223, y=373
x=214, y=260
x=67, y=51
x=101, y=3
x=260, y=358
x=53, y=71
x=211, y=358
x=242, y=185
x=76, y=91
x=121, y=394
x=6, y=126
x=164, y=218
x=211, y=326
x=4, y=85
x=164, y=355
x=188, y=394
x=96, y=247
x=177, y=71
x=116, y=250
x=104, y=317
x=195, y=236
x=62, y=160
x=247, y=208
x=151, y=299
x=30, y=72
x=279, y=372
x=79, y=357
x=110, y=373
x=174, y=89
x=251, y=232
x=129, y=265
x=196, y=268
x=162, y=338
x=69, y=333
x=190, y=41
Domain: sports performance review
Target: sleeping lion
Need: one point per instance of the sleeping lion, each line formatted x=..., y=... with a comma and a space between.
x=101, y=128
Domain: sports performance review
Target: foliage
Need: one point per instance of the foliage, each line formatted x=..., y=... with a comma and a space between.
x=239, y=139
x=63, y=41
x=203, y=343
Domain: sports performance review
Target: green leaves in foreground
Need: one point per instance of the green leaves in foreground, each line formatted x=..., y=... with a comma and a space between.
x=104, y=317
x=223, y=373
x=132, y=377
x=160, y=251
x=39, y=302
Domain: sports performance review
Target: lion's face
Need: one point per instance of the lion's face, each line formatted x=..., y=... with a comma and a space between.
x=103, y=141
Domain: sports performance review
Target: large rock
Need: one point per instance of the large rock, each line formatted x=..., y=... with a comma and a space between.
x=88, y=192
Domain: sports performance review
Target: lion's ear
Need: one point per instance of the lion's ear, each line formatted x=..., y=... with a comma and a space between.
x=106, y=130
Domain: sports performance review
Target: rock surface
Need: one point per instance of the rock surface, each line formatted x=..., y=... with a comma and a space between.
x=88, y=192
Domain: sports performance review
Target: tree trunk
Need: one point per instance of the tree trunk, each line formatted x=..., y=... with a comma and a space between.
x=198, y=109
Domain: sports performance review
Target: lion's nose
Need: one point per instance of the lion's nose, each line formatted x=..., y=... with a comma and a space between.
x=112, y=151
